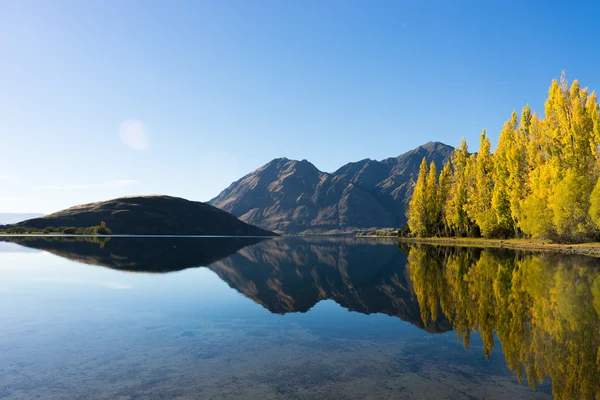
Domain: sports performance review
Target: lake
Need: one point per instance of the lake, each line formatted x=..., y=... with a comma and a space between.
x=293, y=318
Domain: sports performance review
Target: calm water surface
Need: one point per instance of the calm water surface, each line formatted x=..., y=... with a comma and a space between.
x=291, y=318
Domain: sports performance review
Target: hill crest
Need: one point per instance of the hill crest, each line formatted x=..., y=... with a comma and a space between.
x=154, y=214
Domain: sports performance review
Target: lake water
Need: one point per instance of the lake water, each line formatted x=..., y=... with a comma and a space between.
x=293, y=318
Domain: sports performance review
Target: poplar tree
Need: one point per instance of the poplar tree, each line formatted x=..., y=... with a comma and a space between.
x=432, y=202
x=445, y=184
x=502, y=175
x=518, y=167
x=481, y=189
x=457, y=195
x=417, y=211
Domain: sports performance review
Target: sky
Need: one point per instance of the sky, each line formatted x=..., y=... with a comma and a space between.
x=101, y=99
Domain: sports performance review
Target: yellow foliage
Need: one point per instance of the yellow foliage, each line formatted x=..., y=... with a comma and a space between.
x=540, y=181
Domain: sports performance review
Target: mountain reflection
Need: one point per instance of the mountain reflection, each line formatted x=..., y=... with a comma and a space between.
x=544, y=309
x=283, y=274
x=293, y=274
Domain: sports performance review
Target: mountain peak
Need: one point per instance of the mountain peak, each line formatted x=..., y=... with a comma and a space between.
x=431, y=146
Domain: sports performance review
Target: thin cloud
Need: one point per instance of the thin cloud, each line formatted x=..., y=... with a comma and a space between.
x=3, y=177
x=104, y=185
x=133, y=134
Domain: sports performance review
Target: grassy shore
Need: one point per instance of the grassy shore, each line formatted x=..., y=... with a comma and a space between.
x=588, y=249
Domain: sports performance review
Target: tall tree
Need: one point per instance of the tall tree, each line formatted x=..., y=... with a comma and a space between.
x=518, y=168
x=417, y=209
x=481, y=190
x=432, y=199
x=457, y=196
x=445, y=183
x=502, y=173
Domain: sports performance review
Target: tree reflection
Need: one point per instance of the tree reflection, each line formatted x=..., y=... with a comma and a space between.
x=543, y=308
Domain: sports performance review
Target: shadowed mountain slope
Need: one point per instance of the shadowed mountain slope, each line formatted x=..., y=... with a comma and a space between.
x=295, y=197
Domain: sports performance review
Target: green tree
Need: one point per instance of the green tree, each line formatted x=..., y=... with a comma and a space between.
x=103, y=229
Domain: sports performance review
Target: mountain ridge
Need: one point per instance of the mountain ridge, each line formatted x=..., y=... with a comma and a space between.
x=294, y=196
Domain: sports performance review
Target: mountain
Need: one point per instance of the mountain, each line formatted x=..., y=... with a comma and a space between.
x=149, y=215
x=13, y=218
x=295, y=197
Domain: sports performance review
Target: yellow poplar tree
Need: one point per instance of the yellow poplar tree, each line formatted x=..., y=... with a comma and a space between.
x=457, y=196
x=518, y=167
x=479, y=204
x=445, y=183
x=417, y=209
x=432, y=201
x=502, y=157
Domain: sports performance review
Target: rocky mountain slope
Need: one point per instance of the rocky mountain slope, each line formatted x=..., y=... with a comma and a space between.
x=150, y=215
x=295, y=197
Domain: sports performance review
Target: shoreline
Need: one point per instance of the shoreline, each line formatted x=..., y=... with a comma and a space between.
x=586, y=249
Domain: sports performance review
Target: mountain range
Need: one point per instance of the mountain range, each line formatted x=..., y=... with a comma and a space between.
x=290, y=196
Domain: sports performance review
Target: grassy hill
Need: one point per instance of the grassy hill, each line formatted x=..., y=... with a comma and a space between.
x=149, y=215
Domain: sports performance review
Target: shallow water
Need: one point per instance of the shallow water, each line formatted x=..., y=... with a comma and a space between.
x=292, y=318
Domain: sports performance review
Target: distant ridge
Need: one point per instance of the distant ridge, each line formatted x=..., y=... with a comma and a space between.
x=153, y=215
x=290, y=196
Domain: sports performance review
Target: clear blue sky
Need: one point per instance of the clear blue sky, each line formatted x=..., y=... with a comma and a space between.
x=100, y=99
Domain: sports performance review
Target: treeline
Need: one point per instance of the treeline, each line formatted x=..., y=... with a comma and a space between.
x=377, y=232
x=541, y=182
x=101, y=229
